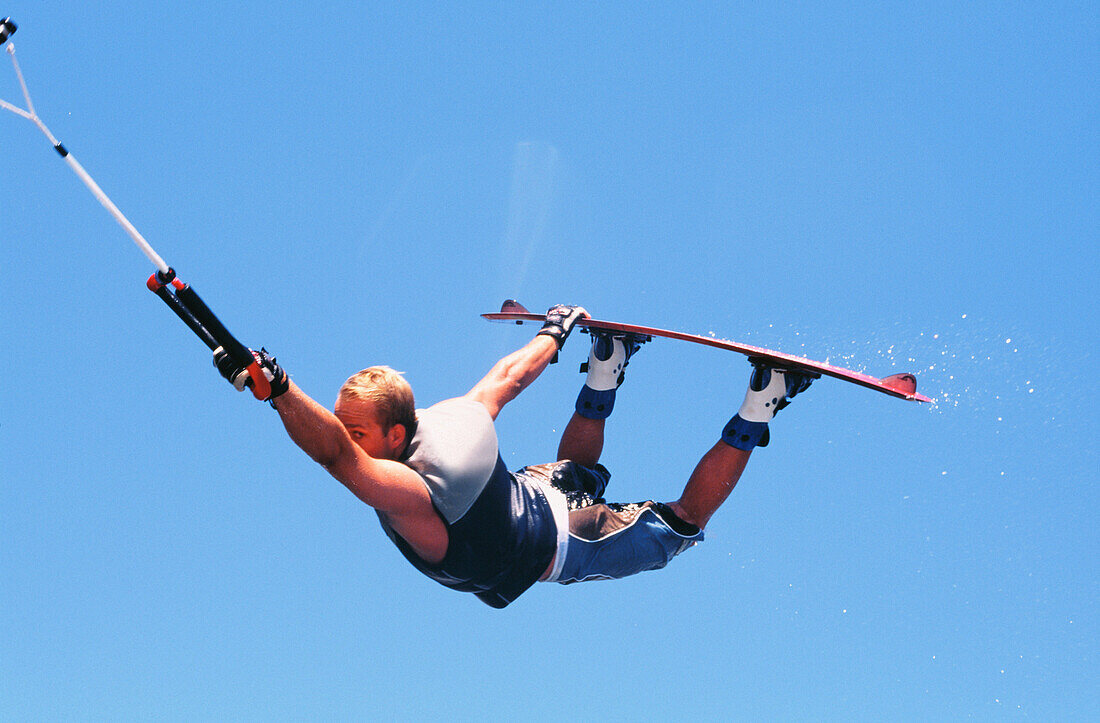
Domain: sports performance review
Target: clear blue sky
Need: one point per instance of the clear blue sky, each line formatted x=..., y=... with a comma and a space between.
x=893, y=187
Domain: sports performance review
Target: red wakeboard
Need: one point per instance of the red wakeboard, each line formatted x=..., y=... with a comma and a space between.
x=903, y=386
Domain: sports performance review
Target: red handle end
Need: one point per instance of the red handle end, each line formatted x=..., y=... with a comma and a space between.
x=261, y=388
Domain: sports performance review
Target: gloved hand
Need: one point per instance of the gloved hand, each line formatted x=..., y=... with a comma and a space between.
x=228, y=368
x=560, y=320
x=240, y=378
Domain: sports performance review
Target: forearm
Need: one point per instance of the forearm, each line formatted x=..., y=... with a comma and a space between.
x=520, y=368
x=312, y=427
x=514, y=373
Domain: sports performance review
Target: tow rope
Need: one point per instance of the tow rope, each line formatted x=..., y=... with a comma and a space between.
x=180, y=297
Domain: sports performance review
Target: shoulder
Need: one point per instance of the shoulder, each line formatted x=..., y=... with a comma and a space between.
x=450, y=431
x=455, y=452
x=458, y=409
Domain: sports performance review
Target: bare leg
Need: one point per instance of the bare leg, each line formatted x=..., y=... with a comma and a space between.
x=582, y=440
x=711, y=483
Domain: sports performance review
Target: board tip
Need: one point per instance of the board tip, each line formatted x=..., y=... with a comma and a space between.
x=906, y=385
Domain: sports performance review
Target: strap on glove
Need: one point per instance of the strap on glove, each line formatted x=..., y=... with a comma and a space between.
x=560, y=320
x=241, y=379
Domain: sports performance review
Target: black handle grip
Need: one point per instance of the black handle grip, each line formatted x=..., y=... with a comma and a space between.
x=201, y=313
x=188, y=318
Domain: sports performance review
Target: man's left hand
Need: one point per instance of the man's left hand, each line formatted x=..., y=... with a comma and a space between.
x=560, y=320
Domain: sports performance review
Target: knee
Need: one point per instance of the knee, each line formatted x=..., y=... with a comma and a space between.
x=684, y=514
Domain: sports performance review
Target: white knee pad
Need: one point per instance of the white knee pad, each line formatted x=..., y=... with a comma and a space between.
x=760, y=406
x=606, y=374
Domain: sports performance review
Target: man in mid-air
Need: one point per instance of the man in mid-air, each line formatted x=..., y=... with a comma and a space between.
x=437, y=481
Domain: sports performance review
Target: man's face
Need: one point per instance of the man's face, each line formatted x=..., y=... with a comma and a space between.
x=361, y=419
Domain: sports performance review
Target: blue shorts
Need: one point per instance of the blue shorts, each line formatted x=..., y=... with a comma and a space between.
x=609, y=540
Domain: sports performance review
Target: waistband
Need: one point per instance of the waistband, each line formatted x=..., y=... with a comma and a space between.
x=559, y=507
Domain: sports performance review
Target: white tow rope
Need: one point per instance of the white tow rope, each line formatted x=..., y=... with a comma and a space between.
x=30, y=114
x=180, y=298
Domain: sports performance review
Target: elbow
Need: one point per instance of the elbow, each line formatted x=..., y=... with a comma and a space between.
x=328, y=461
x=337, y=463
x=331, y=454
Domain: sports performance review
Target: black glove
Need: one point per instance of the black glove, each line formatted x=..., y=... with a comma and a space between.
x=228, y=368
x=240, y=378
x=560, y=320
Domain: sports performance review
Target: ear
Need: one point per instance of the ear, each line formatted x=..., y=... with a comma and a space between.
x=396, y=437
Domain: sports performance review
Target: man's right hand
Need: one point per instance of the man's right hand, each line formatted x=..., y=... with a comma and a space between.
x=560, y=320
x=228, y=368
x=240, y=378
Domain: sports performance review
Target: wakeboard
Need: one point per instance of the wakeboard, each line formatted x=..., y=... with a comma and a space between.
x=902, y=386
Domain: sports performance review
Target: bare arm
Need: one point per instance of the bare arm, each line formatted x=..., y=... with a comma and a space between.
x=514, y=373
x=387, y=486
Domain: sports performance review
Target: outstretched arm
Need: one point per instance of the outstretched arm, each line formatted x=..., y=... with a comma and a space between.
x=512, y=374
x=390, y=487
x=515, y=372
x=396, y=491
x=313, y=428
x=387, y=486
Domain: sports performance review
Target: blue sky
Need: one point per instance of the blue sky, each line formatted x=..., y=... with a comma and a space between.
x=896, y=188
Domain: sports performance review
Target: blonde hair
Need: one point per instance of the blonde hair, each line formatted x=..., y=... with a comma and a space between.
x=388, y=391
